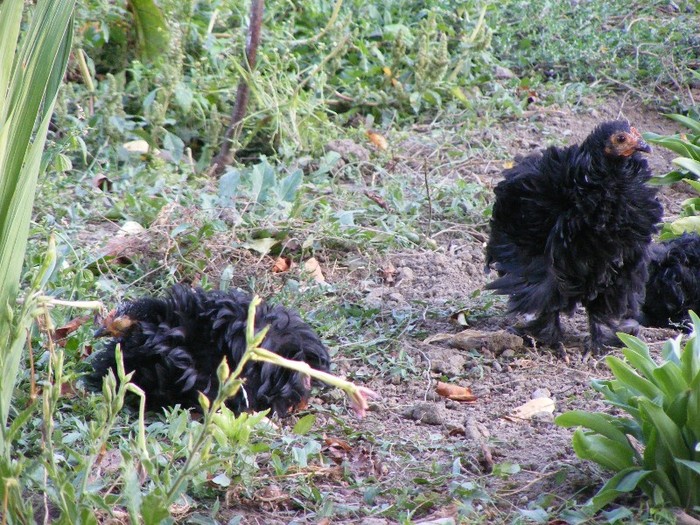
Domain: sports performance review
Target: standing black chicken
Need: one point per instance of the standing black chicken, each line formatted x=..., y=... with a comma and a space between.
x=175, y=344
x=572, y=226
x=673, y=286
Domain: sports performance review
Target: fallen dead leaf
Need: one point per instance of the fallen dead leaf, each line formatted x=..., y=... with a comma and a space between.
x=495, y=342
x=68, y=390
x=378, y=140
x=102, y=182
x=460, y=318
x=359, y=460
x=455, y=392
x=125, y=244
x=337, y=443
x=388, y=273
x=539, y=405
x=313, y=267
x=376, y=198
x=60, y=334
x=282, y=264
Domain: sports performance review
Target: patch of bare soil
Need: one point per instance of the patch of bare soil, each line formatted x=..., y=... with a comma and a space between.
x=501, y=373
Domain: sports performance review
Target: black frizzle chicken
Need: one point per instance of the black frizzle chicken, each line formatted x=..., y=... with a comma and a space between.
x=572, y=226
x=174, y=345
x=673, y=286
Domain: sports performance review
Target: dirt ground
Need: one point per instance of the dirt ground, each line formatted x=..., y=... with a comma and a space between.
x=502, y=374
x=423, y=428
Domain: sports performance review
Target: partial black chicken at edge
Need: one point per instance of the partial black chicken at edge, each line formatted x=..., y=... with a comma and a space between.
x=174, y=345
x=673, y=286
x=573, y=226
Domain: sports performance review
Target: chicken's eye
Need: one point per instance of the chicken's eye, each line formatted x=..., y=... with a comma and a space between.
x=620, y=139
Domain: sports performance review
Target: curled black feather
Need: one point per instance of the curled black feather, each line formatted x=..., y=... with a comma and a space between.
x=572, y=226
x=179, y=340
x=673, y=286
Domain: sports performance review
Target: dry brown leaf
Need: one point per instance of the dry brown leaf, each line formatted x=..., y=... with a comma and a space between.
x=460, y=318
x=388, y=273
x=455, y=392
x=337, y=443
x=125, y=244
x=102, y=182
x=68, y=390
x=60, y=334
x=376, y=198
x=378, y=140
x=313, y=267
x=282, y=264
x=528, y=410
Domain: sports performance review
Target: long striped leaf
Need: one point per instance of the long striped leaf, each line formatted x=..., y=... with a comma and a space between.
x=31, y=76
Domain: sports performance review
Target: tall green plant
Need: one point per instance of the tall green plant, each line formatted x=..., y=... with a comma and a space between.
x=31, y=69
x=653, y=445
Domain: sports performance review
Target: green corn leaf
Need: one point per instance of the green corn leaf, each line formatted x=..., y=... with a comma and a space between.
x=598, y=422
x=688, y=122
x=604, y=451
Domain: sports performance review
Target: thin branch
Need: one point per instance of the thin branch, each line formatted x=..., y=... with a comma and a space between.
x=225, y=156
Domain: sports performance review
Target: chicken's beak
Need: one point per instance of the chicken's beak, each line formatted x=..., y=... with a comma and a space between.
x=640, y=145
x=643, y=146
x=101, y=332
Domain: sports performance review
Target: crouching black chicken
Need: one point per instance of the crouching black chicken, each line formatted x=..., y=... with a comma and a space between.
x=673, y=286
x=573, y=226
x=174, y=345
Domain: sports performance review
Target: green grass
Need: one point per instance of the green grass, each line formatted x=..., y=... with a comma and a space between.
x=424, y=74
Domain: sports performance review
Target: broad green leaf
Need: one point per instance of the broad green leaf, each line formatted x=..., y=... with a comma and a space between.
x=262, y=246
x=692, y=465
x=623, y=482
x=606, y=452
x=684, y=225
x=676, y=408
x=637, y=354
x=688, y=122
x=631, y=379
x=304, y=424
x=31, y=93
x=676, y=144
x=10, y=21
x=596, y=421
x=670, y=178
x=151, y=29
x=692, y=165
x=669, y=378
x=288, y=186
